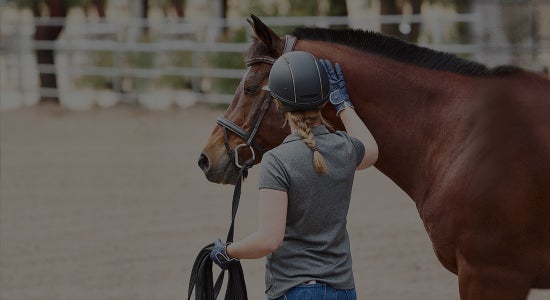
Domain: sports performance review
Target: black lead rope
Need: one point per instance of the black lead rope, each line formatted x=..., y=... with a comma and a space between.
x=201, y=276
x=202, y=280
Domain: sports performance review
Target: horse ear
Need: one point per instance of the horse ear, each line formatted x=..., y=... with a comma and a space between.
x=273, y=42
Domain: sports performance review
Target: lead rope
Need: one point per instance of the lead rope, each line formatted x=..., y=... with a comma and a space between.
x=202, y=280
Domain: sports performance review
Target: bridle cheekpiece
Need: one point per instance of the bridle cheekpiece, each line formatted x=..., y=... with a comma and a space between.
x=250, y=136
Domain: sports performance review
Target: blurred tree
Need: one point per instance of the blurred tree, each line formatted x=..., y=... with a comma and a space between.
x=46, y=32
x=143, y=6
x=144, y=9
x=392, y=7
x=464, y=29
x=337, y=8
x=405, y=31
x=520, y=27
x=178, y=6
x=218, y=11
x=98, y=5
x=305, y=7
x=50, y=32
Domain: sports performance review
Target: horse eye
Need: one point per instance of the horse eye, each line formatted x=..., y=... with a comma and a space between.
x=251, y=89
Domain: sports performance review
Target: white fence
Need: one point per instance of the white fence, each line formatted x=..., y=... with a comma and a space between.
x=102, y=62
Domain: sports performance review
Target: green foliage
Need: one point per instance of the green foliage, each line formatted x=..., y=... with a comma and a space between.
x=98, y=59
x=96, y=82
x=168, y=59
x=24, y=3
x=31, y=3
x=141, y=60
x=173, y=82
x=144, y=60
x=258, y=8
x=81, y=3
x=442, y=2
x=176, y=59
x=304, y=7
x=230, y=61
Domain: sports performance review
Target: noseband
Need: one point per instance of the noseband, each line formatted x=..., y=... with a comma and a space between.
x=250, y=136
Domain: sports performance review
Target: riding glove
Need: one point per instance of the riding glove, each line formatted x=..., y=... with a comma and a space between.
x=219, y=255
x=339, y=96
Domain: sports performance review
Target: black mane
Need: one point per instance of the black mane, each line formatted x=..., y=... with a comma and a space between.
x=399, y=50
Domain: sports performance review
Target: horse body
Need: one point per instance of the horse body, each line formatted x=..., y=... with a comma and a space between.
x=472, y=151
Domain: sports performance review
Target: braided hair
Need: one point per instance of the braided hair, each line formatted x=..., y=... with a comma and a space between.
x=301, y=123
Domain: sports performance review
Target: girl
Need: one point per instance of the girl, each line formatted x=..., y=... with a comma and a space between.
x=305, y=186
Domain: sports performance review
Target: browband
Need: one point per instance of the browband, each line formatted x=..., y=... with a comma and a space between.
x=250, y=136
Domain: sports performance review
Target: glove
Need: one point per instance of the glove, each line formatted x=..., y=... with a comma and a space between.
x=339, y=96
x=219, y=255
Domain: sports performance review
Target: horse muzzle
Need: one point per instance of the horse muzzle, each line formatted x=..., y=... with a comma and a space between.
x=223, y=170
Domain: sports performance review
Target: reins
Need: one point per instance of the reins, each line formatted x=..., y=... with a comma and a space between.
x=201, y=275
x=202, y=281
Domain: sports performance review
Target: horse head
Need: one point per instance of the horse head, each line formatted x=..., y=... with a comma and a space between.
x=251, y=125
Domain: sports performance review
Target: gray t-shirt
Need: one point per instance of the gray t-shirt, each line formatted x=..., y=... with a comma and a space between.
x=316, y=243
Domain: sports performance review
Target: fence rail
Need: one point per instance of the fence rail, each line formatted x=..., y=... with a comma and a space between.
x=84, y=42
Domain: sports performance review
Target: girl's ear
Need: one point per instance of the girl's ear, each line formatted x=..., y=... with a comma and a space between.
x=281, y=110
x=279, y=107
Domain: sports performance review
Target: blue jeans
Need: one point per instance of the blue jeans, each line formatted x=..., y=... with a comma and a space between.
x=316, y=291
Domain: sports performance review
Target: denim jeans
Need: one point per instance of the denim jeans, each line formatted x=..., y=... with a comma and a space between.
x=317, y=291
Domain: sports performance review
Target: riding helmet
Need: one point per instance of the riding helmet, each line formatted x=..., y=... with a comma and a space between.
x=298, y=81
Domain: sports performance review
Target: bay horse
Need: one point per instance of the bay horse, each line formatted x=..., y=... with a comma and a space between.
x=469, y=144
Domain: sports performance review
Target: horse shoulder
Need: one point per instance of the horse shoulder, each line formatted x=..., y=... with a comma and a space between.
x=495, y=180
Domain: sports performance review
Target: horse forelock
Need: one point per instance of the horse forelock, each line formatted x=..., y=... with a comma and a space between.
x=400, y=50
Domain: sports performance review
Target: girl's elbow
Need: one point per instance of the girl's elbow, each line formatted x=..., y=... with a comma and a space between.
x=373, y=154
x=270, y=241
x=373, y=157
x=272, y=244
x=370, y=158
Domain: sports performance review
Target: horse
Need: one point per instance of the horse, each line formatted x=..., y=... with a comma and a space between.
x=469, y=144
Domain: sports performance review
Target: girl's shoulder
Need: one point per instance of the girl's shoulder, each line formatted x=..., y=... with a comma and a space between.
x=357, y=144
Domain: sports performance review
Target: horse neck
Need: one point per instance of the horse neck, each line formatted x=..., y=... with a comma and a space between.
x=405, y=107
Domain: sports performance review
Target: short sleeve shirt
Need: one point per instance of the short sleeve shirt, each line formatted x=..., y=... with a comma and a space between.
x=316, y=243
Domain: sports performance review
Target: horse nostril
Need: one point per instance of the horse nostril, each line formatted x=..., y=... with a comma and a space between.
x=204, y=164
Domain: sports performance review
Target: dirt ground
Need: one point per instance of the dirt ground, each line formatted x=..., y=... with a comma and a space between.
x=110, y=204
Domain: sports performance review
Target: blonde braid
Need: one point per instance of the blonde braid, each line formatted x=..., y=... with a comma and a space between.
x=301, y=122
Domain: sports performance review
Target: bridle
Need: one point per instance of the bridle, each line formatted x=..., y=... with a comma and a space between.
x=250, y=136
x=201, y=279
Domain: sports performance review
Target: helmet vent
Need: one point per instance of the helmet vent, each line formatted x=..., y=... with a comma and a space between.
x=309, y=96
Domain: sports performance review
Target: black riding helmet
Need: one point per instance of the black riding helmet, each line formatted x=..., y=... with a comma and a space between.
x=298, y=81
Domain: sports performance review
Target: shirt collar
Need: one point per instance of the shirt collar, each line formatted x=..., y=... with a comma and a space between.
x=317, y=130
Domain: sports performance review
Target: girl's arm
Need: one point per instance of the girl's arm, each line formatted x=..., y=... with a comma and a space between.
x=357, y=129
x=271, y=227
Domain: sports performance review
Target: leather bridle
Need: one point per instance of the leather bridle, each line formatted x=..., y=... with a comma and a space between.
x=250, y=136
x=201, y=279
